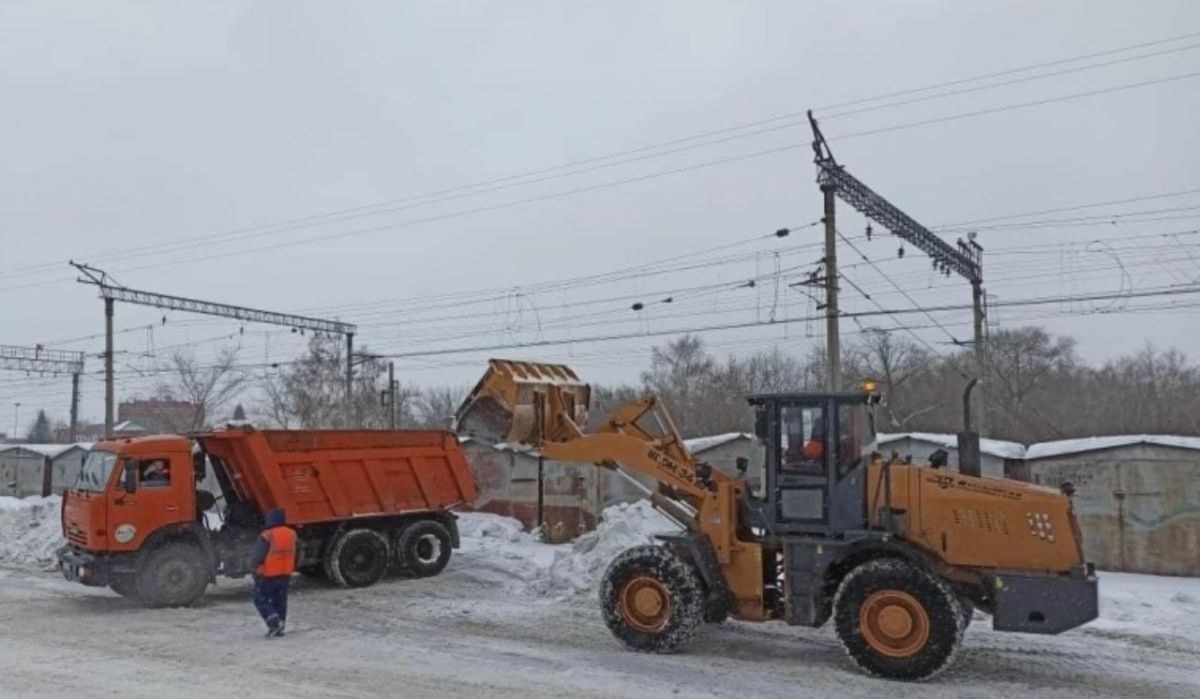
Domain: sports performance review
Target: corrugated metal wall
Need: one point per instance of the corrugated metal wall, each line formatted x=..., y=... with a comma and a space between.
x=1138, y=506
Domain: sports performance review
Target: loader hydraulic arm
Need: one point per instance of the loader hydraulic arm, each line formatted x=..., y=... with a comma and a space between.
x=545, y=406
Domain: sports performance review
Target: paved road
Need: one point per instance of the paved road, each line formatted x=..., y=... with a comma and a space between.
x=463, y=634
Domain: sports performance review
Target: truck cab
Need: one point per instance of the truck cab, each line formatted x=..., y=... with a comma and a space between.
x=129, y=493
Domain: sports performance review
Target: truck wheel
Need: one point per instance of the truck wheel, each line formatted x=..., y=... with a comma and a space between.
x=124, y=585
x=172, y=576
x=897, y=620
x=423, y=548
x=359, y=558
x=652, y=599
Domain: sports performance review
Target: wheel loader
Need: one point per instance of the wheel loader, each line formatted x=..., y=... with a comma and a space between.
x=896, y=555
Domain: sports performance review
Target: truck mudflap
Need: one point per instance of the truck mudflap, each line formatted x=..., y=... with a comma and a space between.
x=1045, y=603
x=90, y=569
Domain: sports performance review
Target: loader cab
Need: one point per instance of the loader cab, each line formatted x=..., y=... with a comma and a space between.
x=816, y=448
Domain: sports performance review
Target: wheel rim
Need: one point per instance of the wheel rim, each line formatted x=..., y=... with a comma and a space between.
x=645, y=604
x=175, y=576
x=428, y=549
x=362, y=564
x=894, y=623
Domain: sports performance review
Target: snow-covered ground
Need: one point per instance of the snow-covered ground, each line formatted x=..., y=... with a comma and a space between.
x=513, y=617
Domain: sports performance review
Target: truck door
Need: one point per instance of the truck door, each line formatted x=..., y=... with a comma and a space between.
x=163, y=494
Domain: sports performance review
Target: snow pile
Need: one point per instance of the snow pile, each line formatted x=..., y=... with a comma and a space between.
x=30, y=530
x=495, y=544
x=498, y=550
x=577, y=567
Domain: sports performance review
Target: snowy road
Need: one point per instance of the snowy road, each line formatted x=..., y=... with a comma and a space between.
x=467, y=632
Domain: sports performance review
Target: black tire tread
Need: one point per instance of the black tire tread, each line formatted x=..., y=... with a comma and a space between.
x=144, y=583
x=683, y=584
x=407, y=541
x=942, y=605
x=333, y=565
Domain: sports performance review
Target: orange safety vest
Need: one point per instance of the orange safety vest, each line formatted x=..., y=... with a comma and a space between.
x=281, y=557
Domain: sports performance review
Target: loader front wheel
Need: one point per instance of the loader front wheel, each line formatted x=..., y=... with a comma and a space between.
x=897, y=620
x=652, y=599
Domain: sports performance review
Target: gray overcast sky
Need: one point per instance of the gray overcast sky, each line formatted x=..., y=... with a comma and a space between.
x=128, y=125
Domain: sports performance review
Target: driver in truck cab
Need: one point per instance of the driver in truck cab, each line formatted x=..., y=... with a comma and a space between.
x=274, y=561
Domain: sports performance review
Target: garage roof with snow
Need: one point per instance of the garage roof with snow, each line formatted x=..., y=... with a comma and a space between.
x=48, y=450
x=702, y=444
x=1062, y=447
x=993, y=447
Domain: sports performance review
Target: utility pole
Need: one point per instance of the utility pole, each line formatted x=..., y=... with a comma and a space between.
x=966, y=259
x=979, y=311
x=392, y=394
x=349, y=380
x=111, y=291
x=833, y=351
x=74, y=407
x=42, y=360
x=109, y=398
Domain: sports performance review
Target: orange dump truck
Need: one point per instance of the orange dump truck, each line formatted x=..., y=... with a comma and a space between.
x=361, y=502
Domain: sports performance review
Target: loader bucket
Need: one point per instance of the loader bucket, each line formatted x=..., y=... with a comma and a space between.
x=524, y=403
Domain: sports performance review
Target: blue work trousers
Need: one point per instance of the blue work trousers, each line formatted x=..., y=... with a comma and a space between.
x=271, y=596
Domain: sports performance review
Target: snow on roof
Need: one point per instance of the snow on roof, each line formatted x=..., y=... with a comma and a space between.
x=993, y=447
x=50, y=450
x=129, y=426
x=700, y=444
x=1044, y=450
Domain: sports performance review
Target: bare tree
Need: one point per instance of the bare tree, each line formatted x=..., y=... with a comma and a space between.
x=310, y=393
x=436, y=405
x=205, y=387
x=901, y=367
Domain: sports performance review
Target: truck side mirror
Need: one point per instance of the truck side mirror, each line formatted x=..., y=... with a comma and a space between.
x=129, y=477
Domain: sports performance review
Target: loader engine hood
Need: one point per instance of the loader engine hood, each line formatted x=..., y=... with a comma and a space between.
x=983, y=522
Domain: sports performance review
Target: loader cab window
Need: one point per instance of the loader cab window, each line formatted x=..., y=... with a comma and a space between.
x=856, y=437
x=802, y=439
x=154, y=473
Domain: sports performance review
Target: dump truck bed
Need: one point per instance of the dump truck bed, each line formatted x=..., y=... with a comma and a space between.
x=320, y=476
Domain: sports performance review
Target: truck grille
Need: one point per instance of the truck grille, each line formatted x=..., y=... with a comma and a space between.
x=76, y=537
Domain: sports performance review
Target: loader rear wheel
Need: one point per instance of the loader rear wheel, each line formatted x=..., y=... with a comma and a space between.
x=358, y=558
x=652, y=599
x=423, y=548
x=171, y=576
x=897, y=620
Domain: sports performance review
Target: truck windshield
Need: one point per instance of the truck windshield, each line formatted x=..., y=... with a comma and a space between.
x=96, y=470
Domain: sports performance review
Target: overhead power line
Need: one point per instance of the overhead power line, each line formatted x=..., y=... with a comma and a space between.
x=573, y=167
x=1174, y=291
x=1018, y=105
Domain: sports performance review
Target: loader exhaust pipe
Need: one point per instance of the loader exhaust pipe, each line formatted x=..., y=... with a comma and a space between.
x=970, y=463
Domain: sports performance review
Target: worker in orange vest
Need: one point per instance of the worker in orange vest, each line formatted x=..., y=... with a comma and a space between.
x=274, y=561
